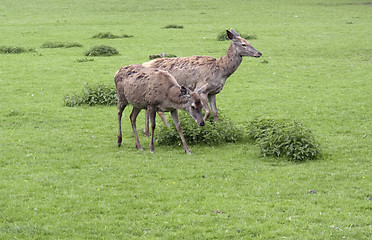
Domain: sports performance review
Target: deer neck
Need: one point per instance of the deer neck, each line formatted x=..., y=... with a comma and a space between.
x=230, y=62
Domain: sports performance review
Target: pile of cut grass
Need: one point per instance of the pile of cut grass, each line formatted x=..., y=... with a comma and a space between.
x=213, y=133
x=60, y=45
x=174, y=26
x=222, y=36
x=163, y=55
x=102, y=50
x=85, y=59
x=15, y=50
x=284, y=138
x=99, y=94
x=109, y=35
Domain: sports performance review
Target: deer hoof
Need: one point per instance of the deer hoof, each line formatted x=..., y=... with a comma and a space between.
x=139, y=147
x=188, y=151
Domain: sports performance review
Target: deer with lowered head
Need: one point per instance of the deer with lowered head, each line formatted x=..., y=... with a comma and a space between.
x=197, y=71
x=156, y=91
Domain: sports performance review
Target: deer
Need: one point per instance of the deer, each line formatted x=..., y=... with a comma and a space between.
x=196, y=71
x=156, y=91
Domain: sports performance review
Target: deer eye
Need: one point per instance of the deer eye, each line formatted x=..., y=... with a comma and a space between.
x=244, y=45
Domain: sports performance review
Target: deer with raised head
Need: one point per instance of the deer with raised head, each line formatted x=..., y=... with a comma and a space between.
x=156, y=91
x=196, y=71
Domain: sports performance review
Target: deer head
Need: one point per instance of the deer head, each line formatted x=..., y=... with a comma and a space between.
x=194, y=105
x=242, y=46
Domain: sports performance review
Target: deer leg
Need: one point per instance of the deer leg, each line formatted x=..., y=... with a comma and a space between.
x=162, y=116
x=133, y=118
x=152, y=113
x=212, y=102
x=174, y=114
x=121, y=108
x=204, y=100
x=146, y=131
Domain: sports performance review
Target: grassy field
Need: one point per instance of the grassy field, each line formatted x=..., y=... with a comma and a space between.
x=62, y=175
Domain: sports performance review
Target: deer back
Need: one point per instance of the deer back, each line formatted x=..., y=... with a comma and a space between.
x=143, y=86
x=191, y=72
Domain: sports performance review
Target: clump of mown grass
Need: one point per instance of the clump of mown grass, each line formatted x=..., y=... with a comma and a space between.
x=99, y=94
x=109, y=35
x=284, y=138
x=60, y=45
x=248, y=36
x=162, y=55
x=85, y=59
x=173, y=26
x=222, y=36
x=15, y=50
x=212, y=133
x=101, y=50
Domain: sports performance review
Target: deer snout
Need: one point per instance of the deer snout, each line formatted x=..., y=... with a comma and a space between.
x=258, y=54
x=201, y=124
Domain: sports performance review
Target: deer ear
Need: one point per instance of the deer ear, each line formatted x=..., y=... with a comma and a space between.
x=234, y=33
x=184, y=90
x=229, y=35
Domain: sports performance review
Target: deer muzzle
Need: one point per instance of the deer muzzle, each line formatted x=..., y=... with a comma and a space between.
x=258, y=54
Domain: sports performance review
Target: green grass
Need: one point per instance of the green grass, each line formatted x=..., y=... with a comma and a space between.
x=63, y=177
